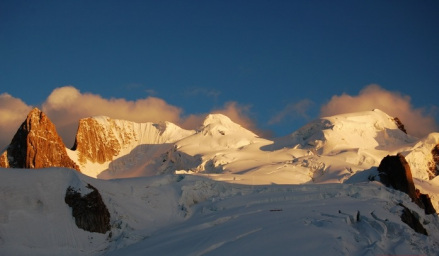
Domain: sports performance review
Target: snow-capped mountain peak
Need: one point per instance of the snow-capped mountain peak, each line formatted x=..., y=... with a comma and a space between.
x=219, y=124
x=368, y=129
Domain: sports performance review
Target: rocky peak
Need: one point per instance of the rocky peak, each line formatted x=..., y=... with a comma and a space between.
x=36, y=145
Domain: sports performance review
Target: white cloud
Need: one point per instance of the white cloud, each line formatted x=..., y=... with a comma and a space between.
x=417, y=122
x=13, y=112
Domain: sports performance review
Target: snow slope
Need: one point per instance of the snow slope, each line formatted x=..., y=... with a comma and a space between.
x=327, y=150
x=420, y=157
x=190, y=215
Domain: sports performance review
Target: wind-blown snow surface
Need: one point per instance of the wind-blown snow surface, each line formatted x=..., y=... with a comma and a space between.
x=190, y=215
x=221, y=190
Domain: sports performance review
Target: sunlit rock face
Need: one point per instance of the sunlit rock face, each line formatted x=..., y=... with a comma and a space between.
x=94, y=142
x=395, y=172
x=36, y=145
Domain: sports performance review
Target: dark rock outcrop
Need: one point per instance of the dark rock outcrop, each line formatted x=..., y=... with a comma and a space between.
x=90, y=212
x=400, y=125
x=36, y=145
x=433, y=166
x=395, y=172
x=412, y=220
x=426, y=202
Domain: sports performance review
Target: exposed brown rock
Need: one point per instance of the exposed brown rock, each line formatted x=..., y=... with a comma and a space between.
x=89, y=211
x=36, y=145
x=395, y=172
x=95, y=143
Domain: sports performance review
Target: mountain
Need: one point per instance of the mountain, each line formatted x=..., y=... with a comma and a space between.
x=366, y=130
x=36, y=145
x=119, y=146
x=218, y=190
x=328, y=149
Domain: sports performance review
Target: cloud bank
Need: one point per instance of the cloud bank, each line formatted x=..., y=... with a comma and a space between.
x=416, y=120
x=66, y=105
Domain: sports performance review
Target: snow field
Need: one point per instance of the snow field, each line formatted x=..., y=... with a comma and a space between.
x=190, y=215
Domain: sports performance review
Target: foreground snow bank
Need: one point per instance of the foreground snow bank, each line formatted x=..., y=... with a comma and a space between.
x=190, y=215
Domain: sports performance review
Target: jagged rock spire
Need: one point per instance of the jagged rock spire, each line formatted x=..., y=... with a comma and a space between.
x=36, y=145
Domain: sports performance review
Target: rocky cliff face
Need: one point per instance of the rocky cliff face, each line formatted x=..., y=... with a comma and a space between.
x=36, y=145
x=95, y=143
x=101, y=139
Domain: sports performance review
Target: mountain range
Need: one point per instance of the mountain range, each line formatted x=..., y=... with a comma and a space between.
x=172, y=172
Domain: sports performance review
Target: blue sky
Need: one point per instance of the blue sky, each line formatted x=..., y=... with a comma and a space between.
x=263, y=58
